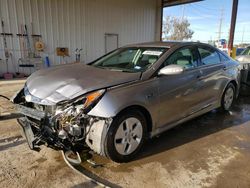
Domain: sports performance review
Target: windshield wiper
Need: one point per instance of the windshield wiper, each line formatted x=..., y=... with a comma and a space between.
x=113, y=69
x=117, y=70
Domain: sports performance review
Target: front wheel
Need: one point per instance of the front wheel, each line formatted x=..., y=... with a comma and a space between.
x=126, y=136
x=228, y=97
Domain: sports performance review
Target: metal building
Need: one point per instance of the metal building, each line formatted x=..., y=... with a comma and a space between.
x=96, y=26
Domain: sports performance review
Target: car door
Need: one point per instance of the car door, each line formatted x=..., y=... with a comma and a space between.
x=179, y=92
x=213, y=78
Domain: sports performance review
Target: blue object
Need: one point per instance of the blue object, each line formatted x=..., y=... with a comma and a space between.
x=223, y=41
x=47, y=62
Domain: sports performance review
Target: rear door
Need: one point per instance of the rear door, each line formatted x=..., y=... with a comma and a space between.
x=212, y=78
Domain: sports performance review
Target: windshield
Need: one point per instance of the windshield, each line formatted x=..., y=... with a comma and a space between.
x=130, y=59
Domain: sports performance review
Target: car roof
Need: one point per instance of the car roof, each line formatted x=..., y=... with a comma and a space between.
x=167, y=44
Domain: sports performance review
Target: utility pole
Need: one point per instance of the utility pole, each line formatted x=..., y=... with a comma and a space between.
x=243, y=33
x=183, y=12
x=232, y=27
x=220, y=24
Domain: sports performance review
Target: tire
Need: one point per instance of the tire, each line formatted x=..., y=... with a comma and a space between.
x=126, y=136
x=228, y=98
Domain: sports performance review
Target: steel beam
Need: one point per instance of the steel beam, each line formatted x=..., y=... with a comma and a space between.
x=168, y=3
x=232, y=27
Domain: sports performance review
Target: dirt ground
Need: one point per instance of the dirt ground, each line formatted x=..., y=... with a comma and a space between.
x=210, y=151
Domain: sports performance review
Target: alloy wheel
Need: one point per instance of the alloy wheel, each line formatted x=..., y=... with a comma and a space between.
x=228, y=98
x=128, y=136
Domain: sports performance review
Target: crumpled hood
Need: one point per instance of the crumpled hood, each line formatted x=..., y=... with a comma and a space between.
x=70, y=81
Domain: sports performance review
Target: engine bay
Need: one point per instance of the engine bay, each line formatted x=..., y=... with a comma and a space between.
x=62, y=127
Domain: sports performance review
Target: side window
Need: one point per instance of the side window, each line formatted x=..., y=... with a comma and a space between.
x=183, y=57
x=209, y=56
x=224, y=57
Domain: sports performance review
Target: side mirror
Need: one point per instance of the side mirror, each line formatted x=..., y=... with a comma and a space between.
x=171, y=70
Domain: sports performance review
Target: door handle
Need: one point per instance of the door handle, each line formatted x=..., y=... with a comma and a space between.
x=150, y=95
x=199, y=77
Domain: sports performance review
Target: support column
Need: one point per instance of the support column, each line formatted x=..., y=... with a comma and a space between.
x=232, y=27
x=159, y=16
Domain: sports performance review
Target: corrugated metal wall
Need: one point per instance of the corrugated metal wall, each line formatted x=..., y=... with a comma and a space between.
x=76, y=24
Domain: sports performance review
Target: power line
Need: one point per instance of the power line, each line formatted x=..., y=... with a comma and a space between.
x=243, y=31
x=199, y=12
x=243, y=35
x=206, y=8
x=198, y=29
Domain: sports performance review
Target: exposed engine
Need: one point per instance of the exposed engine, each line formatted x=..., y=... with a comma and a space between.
x=62, y=127
x=70, y=123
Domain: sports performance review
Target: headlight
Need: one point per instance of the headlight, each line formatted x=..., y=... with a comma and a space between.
x=80, y=105
x=91, y=98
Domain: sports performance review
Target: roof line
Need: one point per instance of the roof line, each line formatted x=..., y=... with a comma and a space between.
x=169, y=3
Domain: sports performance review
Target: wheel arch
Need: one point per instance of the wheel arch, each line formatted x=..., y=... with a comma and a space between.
x=144, y=111
x=234, y=82
x=235, y=85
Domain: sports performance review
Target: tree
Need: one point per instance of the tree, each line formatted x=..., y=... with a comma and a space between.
x=175, y=28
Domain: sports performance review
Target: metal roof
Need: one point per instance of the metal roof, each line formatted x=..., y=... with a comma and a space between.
x=168, y=3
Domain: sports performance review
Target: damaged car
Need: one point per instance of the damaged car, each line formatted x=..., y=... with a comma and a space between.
x=113, y=104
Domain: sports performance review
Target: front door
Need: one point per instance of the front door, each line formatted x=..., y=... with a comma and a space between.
x=178, y=93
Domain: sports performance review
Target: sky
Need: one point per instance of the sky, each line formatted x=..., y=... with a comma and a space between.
x=205, y=16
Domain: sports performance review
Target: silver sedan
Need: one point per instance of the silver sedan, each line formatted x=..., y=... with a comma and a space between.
x=112, y=105
x=244, y=57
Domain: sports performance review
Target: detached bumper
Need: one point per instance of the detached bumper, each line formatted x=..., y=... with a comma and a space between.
x=44, y=135
x=35, y=114
x=28, y=133
x=41, y=129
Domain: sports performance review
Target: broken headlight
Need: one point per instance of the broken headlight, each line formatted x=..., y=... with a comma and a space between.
x=70, y=118
x=31, y=98
x=91, y=99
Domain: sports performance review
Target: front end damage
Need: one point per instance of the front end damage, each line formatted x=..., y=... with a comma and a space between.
x=66, y=126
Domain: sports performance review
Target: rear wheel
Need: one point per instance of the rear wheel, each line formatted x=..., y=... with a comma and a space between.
x=228, y=97
x=126, y=136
